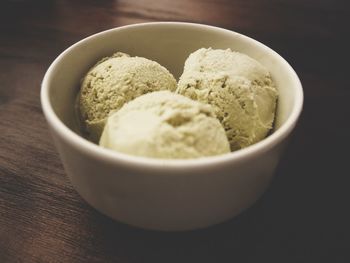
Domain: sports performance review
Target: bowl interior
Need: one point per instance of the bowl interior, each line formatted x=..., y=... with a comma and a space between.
x=169, y=44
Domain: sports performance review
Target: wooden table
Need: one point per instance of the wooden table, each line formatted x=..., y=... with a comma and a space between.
x=303, y=217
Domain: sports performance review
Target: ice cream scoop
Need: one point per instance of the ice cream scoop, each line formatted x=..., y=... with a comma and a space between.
x=165, y=125
x=238, y=87
x=114, y=81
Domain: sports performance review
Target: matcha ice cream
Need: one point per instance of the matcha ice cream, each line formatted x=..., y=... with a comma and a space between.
x=114, y=81
x=238, y=87
x=166, y=125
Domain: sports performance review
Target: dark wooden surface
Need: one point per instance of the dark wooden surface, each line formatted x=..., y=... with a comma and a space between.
x=304, y=215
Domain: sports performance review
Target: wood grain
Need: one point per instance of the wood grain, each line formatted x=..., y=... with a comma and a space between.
x=304, y=215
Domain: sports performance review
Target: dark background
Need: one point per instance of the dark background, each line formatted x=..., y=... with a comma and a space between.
x=303, y=217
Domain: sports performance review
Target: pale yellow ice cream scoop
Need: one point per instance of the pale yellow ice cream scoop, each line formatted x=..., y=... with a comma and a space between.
x=165, y=125
x=114, y=81
x=238, y=87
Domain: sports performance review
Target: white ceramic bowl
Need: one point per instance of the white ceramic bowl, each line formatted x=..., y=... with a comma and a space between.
x=165, y=194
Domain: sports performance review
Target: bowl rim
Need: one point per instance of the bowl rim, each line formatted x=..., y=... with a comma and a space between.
x=108, y=155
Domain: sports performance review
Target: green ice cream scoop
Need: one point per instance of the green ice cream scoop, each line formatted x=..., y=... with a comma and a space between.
x=165, y=125
x=238, y=87
x=114, y=81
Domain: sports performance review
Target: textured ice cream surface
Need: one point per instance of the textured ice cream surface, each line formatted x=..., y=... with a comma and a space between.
x=165, y=125
x=239, y=88
x=114, y=81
